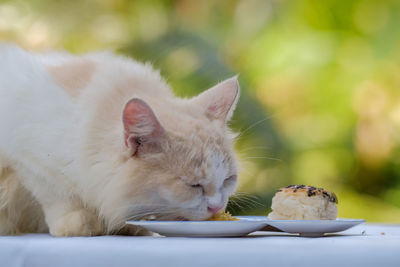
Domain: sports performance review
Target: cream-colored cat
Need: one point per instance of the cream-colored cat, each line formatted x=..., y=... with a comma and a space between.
x=87, y=142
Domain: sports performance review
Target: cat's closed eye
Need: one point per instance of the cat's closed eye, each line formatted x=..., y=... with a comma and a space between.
x=196, y=186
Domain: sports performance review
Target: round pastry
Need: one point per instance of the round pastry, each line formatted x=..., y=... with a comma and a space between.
x=301, y=202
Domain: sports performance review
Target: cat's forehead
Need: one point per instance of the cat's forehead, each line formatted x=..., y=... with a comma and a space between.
x=203, y=142
x=199, y=155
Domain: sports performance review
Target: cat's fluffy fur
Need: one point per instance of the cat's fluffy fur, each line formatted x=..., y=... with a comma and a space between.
x=87, y=142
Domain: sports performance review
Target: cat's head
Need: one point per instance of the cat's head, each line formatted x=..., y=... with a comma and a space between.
x=185, y=156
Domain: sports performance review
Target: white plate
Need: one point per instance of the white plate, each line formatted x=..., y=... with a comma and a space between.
x=242, y=227
x=314, y=227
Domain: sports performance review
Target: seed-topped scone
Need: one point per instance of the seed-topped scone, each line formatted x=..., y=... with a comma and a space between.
x=301, y=202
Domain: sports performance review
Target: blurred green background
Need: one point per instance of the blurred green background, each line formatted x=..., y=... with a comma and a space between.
x=320, y=100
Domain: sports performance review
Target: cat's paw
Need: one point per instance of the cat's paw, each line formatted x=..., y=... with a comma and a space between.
x=134, y=230
x=77, y=223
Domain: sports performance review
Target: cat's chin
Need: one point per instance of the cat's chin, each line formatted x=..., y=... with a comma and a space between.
x=191, y=218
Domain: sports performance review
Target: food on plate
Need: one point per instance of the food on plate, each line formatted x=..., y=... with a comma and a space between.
x=223, y=216
x=301, y=202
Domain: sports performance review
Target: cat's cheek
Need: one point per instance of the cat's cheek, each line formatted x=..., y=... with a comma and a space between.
x=198, y=214
x=230, y=187
x=176, y=194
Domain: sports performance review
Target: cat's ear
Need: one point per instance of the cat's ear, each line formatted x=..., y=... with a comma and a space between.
x=219, y=102
x=143, y=132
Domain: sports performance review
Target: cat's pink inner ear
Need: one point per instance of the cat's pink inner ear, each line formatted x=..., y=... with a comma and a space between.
x=141, y=127
x=220, y=101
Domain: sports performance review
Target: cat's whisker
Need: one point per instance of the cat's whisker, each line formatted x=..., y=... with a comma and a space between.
x=245, y=196
x=139, y=212
x=254, y=148
x=150, y=208
x=143, y=215
x=261, y=157
x=236, y=204
x=243, y=204
x=269, y=158
x=241, y=133
x=248, y=200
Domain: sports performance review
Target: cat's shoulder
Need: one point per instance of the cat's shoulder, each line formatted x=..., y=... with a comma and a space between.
x=75, y=72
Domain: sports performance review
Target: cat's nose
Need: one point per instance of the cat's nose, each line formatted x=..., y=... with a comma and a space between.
x=214, y=209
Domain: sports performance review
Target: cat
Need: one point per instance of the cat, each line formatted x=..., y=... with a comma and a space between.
x=90, y=141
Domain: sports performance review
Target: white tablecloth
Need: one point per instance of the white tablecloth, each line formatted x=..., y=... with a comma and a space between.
x=364, y=245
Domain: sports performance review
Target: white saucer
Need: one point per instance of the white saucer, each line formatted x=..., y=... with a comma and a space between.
x=242, y=227
x=314, y=227
x=246, y=225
